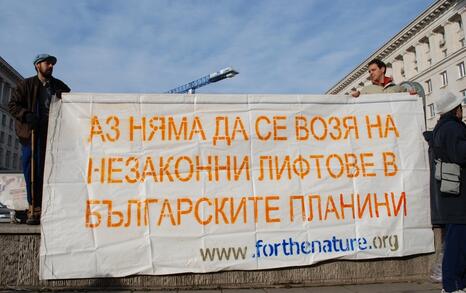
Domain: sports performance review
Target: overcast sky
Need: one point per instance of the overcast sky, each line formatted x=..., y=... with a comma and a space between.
x=283, y=46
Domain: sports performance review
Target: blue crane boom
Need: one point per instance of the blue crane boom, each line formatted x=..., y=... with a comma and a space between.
x=205, y=80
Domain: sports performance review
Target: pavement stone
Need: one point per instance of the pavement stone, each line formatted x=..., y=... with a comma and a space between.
x=406, y=287
x=243, y=291
x=396, y=287
x=288, y=290
x=200, y=291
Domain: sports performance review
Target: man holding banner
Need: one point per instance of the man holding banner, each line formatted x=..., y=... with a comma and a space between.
x=29, y=104
x=449, y=203
x=380, y=83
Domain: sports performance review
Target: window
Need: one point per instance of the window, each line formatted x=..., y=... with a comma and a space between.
x=16, y=144
x=10, y=141
x=11, y=123
x=3, y=119
x=444, y=78
x=2, y=136
x=463, y=93
x=428, y=86
x=1, y=157
x=15, y=160
x=431, y=109
x=7, y=159
x=7, y=91
x=461, y=71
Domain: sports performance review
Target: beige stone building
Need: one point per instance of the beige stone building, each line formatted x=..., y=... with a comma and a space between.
x=430, y=50
x=10, y=149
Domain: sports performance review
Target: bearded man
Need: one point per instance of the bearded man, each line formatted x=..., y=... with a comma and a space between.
x=29, y=105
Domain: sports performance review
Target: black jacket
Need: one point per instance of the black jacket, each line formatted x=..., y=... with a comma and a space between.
x=448, y=142
x=24, y=99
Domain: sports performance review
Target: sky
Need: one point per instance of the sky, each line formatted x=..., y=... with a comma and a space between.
x=151, y=46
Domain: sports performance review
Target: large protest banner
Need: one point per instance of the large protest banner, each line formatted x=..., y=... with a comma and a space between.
x=163, y=184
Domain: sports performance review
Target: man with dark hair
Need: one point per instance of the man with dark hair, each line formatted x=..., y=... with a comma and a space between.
x=448, y=205
x=380, y=83
x=29, y=105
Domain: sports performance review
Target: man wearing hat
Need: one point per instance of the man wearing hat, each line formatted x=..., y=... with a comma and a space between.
x=448, y=208
x=29, y=105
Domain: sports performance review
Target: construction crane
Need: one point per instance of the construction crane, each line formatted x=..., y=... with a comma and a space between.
x=211, y=78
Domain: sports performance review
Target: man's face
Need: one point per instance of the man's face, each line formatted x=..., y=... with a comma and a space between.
x=376, y=73
x=45, y=68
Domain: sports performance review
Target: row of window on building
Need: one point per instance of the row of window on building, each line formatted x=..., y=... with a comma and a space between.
x=444, y=78
x=9, y=144
x=8, y=160
x=443, y=81
x=431, y=107
x=5, y=92
x=5, y=118
x=10, y=140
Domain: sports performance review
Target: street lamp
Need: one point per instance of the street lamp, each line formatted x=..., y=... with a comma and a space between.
x=205, y=80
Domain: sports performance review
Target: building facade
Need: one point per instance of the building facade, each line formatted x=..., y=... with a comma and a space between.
x=431, y=50
x=10, y=149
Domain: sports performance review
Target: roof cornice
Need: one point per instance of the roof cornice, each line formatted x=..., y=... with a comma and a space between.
x=10, y=71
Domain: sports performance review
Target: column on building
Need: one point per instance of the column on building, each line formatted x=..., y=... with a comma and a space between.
x=422, y=54
x=397, y=69
x=462, y=32
x=409, y=62
x=451, y=35
x=434, y=42
x=389, y=71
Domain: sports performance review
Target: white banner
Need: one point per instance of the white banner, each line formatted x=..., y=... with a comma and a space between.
x=164, y=184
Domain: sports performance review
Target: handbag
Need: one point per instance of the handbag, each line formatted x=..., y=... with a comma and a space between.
x=449, y=176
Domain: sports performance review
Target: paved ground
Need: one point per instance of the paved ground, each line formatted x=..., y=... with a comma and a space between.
x=421, y=287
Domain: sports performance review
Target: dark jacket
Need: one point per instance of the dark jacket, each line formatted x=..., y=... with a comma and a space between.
x=448, y=142
x=24, y=99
